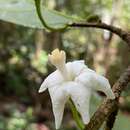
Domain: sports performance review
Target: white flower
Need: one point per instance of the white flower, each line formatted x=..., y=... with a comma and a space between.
x=72, y=80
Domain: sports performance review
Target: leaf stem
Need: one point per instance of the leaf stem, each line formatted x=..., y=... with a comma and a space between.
x=38, y=9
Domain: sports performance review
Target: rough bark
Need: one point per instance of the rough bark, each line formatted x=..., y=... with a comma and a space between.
x=111, y=120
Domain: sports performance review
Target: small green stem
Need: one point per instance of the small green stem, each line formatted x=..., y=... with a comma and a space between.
x=76, y=116
x=39, y=13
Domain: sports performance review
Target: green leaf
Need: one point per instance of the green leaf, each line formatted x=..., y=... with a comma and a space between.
x=23, y=12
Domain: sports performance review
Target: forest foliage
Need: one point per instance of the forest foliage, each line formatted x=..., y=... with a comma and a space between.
x=24, y=46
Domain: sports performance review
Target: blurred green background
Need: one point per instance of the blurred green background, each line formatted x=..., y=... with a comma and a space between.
x=24, y=63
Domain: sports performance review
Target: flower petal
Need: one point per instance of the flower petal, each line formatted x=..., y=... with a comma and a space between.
x=43, y=87
x=80, y=95
x=78, y=66
x=58, y=97
x=58, y=110
x=92, y=80
x=53, y=79
x=104, y=86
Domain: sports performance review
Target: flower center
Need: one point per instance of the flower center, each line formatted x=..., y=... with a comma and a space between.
x=58, y=59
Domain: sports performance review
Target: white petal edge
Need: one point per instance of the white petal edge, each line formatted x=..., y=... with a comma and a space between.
x=80, y=95
x=53, y=79
x=58, y=97
x=43, y=87
x=97, y=82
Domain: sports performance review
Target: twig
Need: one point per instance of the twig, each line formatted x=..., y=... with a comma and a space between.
x=111, y=120
x=124, y=35
x=108, y=106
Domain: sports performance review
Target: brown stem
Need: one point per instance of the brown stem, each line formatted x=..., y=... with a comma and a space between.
x=111, y=119
x=108, y=106
x=124, y=35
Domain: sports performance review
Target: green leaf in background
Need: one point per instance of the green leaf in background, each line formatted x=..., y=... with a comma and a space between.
x=23, y=12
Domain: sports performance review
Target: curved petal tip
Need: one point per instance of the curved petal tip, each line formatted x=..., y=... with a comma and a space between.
x=40, y=91
x=42, y=88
